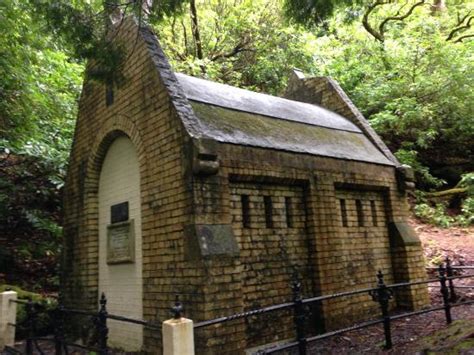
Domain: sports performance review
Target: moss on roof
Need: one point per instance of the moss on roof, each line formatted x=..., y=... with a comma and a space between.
x=243, y=128
x=234, y=98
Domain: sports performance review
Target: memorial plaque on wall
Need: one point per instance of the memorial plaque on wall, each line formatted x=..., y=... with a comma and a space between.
x=120, y=243
x=119, y=212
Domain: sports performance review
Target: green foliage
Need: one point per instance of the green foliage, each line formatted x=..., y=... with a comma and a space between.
x=314, y=12
x=437, y=212
x=38, y=92
x=467, y=208
x=467, y=181
x=29, y=214
x=438, y=215
x=422, y=172
x=84, y=28
x=416, y=89
x=434, y=215
x=39, y=86
x=246, y=44
x=466, y=218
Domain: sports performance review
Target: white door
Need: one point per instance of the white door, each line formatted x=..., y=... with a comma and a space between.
x=120, y=244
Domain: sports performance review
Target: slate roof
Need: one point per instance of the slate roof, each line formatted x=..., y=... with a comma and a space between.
x=248, y=101
x=231, y=115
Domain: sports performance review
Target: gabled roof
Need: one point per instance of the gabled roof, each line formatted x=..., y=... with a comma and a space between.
x=217, y=94
x=232, y=115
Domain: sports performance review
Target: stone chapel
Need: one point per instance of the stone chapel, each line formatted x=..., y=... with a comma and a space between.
x=183, y=186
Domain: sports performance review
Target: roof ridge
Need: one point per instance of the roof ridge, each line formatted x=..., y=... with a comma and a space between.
x=223, y=95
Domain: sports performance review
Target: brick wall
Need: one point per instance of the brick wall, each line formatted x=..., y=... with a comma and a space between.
x=340, y=258
x=269, y=222
x=143, y=112
x=181, y=188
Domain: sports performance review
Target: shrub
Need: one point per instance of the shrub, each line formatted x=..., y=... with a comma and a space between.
x=434, y=215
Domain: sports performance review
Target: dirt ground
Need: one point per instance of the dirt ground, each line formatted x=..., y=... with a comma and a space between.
x=457, y=243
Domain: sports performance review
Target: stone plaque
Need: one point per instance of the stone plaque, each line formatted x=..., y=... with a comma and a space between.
x=120, y=243
x=210, y=240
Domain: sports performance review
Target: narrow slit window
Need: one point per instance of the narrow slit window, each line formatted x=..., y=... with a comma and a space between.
x=342, y=203
x=374, y=213
x=289, y=210
x=245, y=211
x=109, y=95
x=360, y=213
x=267, y=201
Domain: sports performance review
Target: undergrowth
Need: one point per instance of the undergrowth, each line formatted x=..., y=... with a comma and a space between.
x=436, y=212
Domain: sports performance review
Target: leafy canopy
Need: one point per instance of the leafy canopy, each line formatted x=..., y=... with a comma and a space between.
x=38, y=93
x=414, y=84
x=243, y=43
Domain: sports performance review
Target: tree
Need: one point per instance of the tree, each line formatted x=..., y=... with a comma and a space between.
x=384, y=12
x=416, y=92
x=38, y=93
x=243, y=43
x=315, y=12
x=82, y=27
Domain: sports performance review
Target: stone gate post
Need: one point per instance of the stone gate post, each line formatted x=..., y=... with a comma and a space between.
x=178, y=337
x=7, y=318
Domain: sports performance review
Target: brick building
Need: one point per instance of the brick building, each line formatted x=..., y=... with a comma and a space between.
x=179, y=185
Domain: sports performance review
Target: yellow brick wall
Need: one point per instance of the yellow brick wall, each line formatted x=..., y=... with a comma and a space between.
x=142, y=111
x=270, y=255
x=173, y=198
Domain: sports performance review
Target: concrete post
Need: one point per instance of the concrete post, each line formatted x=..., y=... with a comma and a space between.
x=178, y=337
x=7, y=318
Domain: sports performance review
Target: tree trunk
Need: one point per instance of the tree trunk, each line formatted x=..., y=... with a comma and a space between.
x=438, y=6
x=195, y=30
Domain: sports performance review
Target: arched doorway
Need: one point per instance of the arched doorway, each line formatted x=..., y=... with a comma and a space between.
x=120, y=242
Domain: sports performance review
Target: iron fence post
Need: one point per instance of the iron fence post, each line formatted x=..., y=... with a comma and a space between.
x=29, y=309
x=102, y=329
x=299, y=315
x=445, y=293
x=382, y=295
x=450, y=273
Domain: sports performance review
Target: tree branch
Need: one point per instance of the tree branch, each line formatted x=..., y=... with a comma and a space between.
x=236, y=50
x=460, y=39
x=461, y=27
x=365, y=21
x=185, y=38
x=398, y=18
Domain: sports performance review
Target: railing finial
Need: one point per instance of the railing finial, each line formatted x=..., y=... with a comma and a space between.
x=380, y=280
x=103, y=300
x=177, y=309
x=441, y=270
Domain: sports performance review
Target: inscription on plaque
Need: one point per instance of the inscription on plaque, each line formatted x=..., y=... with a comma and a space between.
x=120, y=243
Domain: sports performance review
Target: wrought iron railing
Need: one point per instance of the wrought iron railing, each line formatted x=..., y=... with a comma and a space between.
x=59, y=339
x=381, y=294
